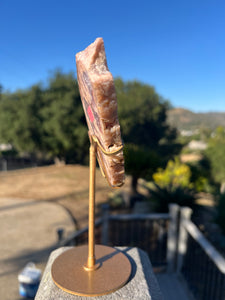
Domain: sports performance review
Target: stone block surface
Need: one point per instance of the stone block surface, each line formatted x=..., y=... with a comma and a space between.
x=142, y=284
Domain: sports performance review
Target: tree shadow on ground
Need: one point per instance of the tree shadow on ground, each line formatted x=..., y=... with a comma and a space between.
x=16, y=263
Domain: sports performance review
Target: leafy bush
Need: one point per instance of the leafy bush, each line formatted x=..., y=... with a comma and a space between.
x=215, y=154
x=201, y=177
x=172, y=185
x=195, y=176
x=176, y=175
x=162, y=197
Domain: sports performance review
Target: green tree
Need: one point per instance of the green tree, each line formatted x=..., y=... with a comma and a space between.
x=1, y=88
x=50, y=120
x=9, y=106
x=46, y=120
x=149, y=141
x=20, y=120
x=215, y=153
x=64, y=127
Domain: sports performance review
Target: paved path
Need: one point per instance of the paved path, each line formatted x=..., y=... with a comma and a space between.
x=27, y=233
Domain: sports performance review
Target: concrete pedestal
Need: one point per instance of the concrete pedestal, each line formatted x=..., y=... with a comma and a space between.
x=142, y=284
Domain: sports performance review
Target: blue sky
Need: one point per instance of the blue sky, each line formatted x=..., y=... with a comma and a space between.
x=178, y=46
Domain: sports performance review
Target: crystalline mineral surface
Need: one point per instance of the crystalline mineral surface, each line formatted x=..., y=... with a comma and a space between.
x=99, y=101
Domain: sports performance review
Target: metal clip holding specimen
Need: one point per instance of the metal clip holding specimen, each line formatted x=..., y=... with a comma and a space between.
x=94, y=140
x=109, y=153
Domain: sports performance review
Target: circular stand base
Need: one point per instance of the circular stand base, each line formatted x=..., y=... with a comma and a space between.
x=69, y=274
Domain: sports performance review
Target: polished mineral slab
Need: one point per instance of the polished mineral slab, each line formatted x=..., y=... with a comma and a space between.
x=99, y=101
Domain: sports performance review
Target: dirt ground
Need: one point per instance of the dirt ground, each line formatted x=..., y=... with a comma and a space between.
x=67, y=185
x=28, y=234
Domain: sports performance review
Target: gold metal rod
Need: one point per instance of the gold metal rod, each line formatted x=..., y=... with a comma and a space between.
x=91, y=261
x=91, y=234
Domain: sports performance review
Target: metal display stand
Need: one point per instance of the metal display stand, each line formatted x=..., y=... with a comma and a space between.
x=92, y=270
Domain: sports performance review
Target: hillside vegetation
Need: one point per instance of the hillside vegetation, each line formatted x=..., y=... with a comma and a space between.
x=184, y=119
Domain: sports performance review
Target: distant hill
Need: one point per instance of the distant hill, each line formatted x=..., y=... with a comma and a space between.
x=184, y=119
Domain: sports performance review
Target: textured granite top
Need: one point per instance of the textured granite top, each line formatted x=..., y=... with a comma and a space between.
x=141, y=285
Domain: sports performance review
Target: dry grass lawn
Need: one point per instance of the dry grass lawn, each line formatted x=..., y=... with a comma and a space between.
x=67, y=185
